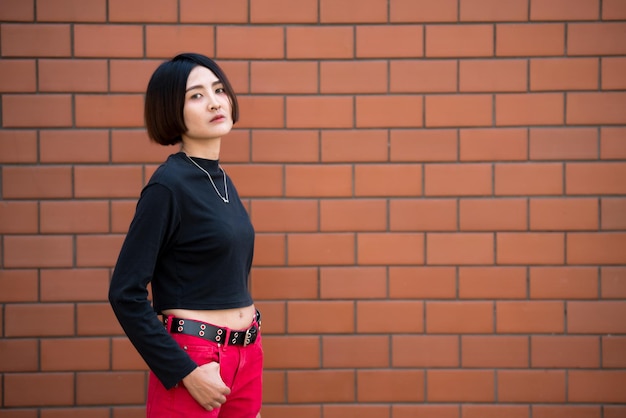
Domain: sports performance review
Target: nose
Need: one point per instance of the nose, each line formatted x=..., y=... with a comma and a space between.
x=214, y=105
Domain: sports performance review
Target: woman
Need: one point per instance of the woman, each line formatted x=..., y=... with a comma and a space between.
x=192, y=239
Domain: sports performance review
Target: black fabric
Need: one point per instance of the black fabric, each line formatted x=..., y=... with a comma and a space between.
x=194, y=249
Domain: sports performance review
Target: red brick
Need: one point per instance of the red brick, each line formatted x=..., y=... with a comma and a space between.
x=107, y=181
x=123, y=110
x=493, y=214
x=563, y=283
x=596, y=248
x=460, y=386
x=71, y=10
x=500, y=75
x=605, y=317
x=97, y=250
x=74, y=285
x=53, y=110
x=459, y=110
x=39, y=320
x=289, y=410
x=17, y=10
x=312, y=249
x=237, y=149
x=613, y=70
x=38, y=251
x=596, y=386
x=143, y=11
x=613, y=349
x=459, y=317
x=35, y=40
x=18, y=285
x=457, y=179
x=423, y=145
x=494, y=351
x=494, y=411
x=373, y=316
x=274, y=317
x=423, y=11
x=352, y=282
x=427, y=410
x=596, y=108
x=397, y=248
x=474, y=40
x=108, y=41
x=250, y=42
x=284, y=77
x=278, y=350
x=96, y=319
x=41, y=389
x=74, y=146
x=530, y=248
x=354, y=145
x=430, y=351
x=353, y=77
x=563, y=143
x=492, y=283
x=327, y=317
x=198, y=11
x=122, y=213
x=93, y=388
x=19, y=355
x=133, y=146
x=550, y=74
x=321, y=386
x=566, y=411
x=529, y=109
x=422, y=215
x=537, y=386
x=165, y=41
x=353, y=11
x=265, y=112
x=459, y=248
x=275, y=383
x=285, y=215
x=278, y=11
x=528, y=179
x=493, y=10
x=18, y=146
x=551, y=214
x=349, y=215
x=399, y=180
x=36, y=182
x=124, y=356
x=64, y=217
x=614, y=411
x=613, y=9
x=564, y=9
x=521, y=39
x=422, y=282
x=613, y=282
x=493, y=144
x=390, y=385
x=389, y=41
x=74, y=354
x=18, y=76
x=556, y=351
x=131, y=76
x=355, y=411
x=613, y=213
x=285, y=283
x=595, y=178
x=407, y=111
x=319, y=112
x=601, y=38
x=76, y=412
x=423, y=76
x=320, y=42
x=261, y=180
x=318, y=180
x=353, y=351
x=18, y=217
x=80, y=75
x=537, y=317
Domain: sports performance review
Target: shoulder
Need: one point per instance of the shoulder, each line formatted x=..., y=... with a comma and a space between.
x=170, y=173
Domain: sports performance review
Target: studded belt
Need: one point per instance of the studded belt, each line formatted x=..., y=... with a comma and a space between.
x=213, y=333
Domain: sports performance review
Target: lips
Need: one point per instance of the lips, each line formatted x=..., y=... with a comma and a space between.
x=218, y=118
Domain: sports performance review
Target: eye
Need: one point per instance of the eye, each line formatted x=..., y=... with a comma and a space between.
x=195, y=96
x=220, y=90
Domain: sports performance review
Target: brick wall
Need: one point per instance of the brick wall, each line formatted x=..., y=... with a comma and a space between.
x=438, y=189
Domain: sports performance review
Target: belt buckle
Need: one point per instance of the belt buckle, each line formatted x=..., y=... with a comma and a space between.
x=248, y=337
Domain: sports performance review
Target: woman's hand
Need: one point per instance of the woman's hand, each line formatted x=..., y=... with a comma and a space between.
x=206, y=386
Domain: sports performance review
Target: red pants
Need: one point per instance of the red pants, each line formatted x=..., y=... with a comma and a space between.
x=241, y=369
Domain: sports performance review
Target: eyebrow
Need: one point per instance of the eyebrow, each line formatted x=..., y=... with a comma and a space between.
x=199, y=86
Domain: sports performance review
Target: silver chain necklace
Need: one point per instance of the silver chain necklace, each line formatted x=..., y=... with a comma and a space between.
x=225, y=199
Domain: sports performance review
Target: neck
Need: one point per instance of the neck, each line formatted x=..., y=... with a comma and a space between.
x=209, y=150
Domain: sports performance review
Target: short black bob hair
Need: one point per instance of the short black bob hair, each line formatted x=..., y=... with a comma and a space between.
x=165, y=97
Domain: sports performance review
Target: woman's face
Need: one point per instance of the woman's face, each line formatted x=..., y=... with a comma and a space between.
x=207, y=110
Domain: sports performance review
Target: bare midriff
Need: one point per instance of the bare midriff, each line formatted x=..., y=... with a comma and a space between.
x=237, y=318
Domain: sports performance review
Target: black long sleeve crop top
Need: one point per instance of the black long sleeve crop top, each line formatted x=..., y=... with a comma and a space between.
x=194, y=249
